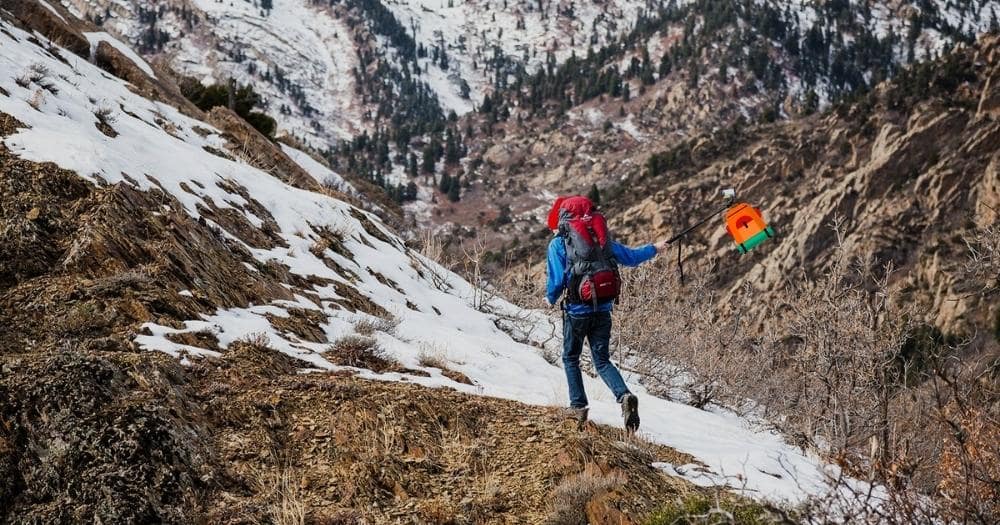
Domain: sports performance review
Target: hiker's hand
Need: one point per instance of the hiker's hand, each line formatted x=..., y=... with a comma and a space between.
x=661, y=246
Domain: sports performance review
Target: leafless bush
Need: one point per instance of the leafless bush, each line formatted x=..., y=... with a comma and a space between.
x=473, y=269
x=105, y=115
x=839, y=364
x=38, y=75
x=369, y=326
x=570, y=497
x=432, y=358
x=256, y=340
x=968, y=405
x=981, y=271
x=360, y=352
x=432, y=249
x=689, y=350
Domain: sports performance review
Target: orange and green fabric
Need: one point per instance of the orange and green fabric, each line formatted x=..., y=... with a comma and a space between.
x=746, y=226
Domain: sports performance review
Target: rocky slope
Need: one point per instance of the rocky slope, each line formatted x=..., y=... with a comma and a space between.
x=191, y=328
x=911, y=168
x=309, y=58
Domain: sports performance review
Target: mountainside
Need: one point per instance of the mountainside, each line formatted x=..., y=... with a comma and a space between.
x=192, y=326
x=910, y=167
x=376, y=86
x=314, y=60
x=685, y=69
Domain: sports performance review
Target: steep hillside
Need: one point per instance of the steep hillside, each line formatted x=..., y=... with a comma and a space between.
x=687, y=68
x=312, y=59
x=393, y=76
x=192, y=325
x=908, y=166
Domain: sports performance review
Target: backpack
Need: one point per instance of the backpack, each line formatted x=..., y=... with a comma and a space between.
x=593, y=270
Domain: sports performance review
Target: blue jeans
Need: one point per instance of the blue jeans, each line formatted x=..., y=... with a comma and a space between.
x=596, y=328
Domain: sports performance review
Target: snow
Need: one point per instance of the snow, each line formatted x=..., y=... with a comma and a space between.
x=50, y=8
x=313, y=49
x=321, y=173
x=436, y=310
x=98, y=37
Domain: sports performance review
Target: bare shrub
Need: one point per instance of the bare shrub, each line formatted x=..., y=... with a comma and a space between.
x=106, y=115
x=256, y=340
x=370, y=325
x=360, y=352
x=432, y=249
x=39, y=75
x=838, y=363
x=432, y=358
x=473, y=269
x=968, y=405
x=570, y=497
x=981, y=271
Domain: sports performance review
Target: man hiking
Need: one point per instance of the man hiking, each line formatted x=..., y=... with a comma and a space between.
x=583, y=262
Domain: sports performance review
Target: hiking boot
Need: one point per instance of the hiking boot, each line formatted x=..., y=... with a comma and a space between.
x=630, y=412
x=578, y=414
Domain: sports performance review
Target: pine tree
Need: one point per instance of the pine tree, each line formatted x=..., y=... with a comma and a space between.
x=455, y=190
x=445, y=185
x=665, y=65
x=428, y=161
x=452, y=152
x=411, y=166
x=410, y=193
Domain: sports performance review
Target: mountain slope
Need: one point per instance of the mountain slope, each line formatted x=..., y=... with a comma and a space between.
x=307, y=57
x=130, y=227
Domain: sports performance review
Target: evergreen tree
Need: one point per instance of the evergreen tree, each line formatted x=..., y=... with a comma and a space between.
x=428, y=160
x=410, y=193
x=452, y=152
x=446, y=183
x=454, y=190
x=411, y=166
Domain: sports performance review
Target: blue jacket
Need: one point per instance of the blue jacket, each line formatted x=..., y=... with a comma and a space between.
x=558, y=272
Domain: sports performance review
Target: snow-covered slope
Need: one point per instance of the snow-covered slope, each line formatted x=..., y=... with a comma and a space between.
x=158, y=148
x=299, y=55
x=302, y=55
x=472, y=32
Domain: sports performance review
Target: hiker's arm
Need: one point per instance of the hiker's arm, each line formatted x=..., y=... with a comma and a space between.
x=632, y=256
x=556, y=271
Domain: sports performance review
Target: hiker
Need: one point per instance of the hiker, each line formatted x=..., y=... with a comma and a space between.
x=583, y=262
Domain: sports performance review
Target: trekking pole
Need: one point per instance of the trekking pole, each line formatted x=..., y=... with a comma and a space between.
x=729, y=195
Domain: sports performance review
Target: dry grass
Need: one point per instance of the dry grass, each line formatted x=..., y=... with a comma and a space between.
x=38, y=75
x=570, y=497
x=840, y=365
x=360, y=351
x=432, y=358
x=371, y=325
x=282, y=493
